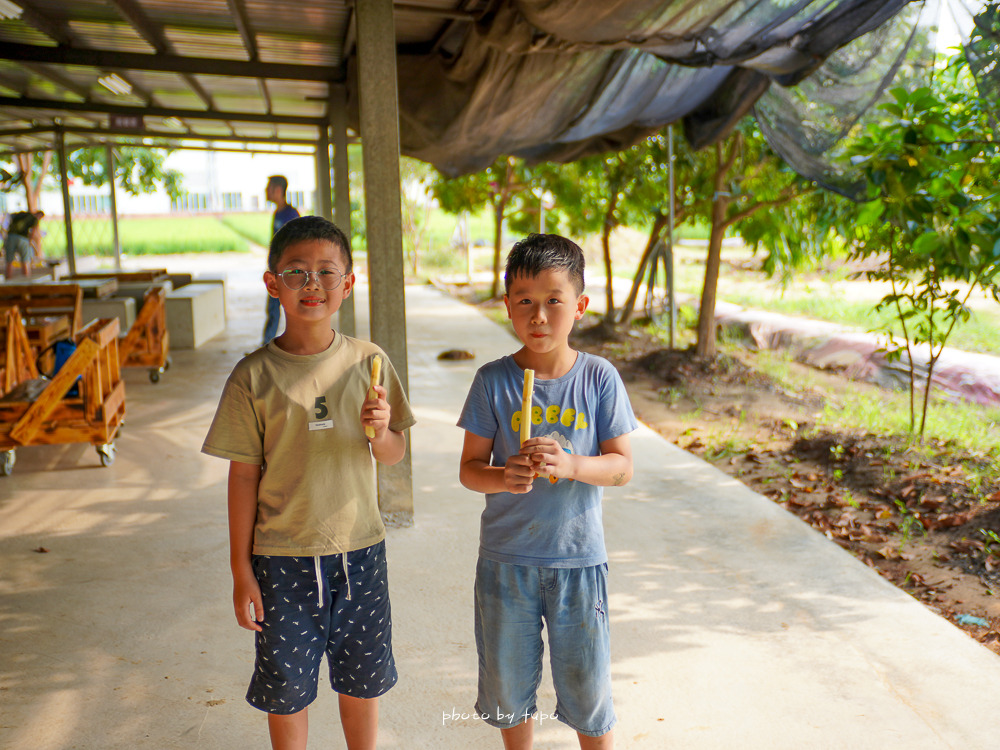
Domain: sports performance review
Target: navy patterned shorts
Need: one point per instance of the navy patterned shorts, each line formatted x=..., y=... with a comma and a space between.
x=317, y=605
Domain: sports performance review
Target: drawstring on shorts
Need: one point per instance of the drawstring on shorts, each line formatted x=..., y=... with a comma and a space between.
x=319, y=578
x=348, y=577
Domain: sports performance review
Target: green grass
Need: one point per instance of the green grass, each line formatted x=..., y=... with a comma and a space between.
x=147, y=236
x=981, y=333
x=255, y=227
x=971, y=427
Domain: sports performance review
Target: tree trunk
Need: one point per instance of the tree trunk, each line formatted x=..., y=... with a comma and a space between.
x=32, y=184
x=706, y=313
x=609, y=294
x=654, y=237
x=498, y=209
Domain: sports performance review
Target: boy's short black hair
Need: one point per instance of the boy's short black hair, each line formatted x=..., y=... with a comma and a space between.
x=280, y=181
x=307, y=228
x=540, y=252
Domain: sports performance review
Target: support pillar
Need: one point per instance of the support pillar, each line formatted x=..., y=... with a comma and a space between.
x=67, y=212
x=342, y=189
x=324, y=206
x=110, y=159
x=379, y=109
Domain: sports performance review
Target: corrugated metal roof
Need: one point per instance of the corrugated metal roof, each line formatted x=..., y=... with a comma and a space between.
x=38, y=90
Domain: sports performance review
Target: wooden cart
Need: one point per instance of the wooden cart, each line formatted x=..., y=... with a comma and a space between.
x=18, y=358
x=147, y=343
x=47, y=412
x=46, y=300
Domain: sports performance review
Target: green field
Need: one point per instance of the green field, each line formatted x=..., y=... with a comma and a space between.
x=254, y=227
x=146, y=236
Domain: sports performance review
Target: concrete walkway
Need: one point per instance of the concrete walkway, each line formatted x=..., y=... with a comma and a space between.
x=734, y=625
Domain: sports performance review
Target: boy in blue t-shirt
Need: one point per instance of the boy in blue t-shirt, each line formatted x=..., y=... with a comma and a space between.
x=542, y=554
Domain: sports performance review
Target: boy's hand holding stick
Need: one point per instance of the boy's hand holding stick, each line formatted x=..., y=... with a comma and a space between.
x=529, y=387
x=526, y=395
x=372, y=394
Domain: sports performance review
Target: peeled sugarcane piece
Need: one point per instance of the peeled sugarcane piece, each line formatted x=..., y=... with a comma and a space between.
x=376, y=374
x=529, y=387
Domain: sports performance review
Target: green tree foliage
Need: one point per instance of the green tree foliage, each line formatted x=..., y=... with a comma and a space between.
x=505, y=186
x=138, y=169
x=591, y=195
x=415, y=177
x=930, y=214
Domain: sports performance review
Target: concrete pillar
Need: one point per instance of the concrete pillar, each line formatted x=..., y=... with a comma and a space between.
x=109, y=153
x=342, y=190
x=379, y=111
x=67, y=212
x=324, y=206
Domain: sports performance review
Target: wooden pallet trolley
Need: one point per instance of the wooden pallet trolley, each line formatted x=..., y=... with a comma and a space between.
x=49, y=412
x=46, y=299
x=18, y=363
x=147, y=343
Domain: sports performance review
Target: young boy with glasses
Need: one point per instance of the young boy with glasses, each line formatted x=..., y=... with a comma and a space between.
x=307, y=547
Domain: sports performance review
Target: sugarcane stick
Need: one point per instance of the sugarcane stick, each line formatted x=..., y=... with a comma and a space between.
x=529, y=386
x=376, y=373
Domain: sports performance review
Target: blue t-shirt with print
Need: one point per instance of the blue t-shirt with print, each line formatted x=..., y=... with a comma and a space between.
x=555, y=525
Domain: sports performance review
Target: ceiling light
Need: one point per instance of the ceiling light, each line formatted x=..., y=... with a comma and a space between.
x=9, y=10
x=173, y=122
x=114, y=84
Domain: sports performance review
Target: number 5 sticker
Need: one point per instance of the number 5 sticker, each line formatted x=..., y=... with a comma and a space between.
x=321, y=410
x=321, y=422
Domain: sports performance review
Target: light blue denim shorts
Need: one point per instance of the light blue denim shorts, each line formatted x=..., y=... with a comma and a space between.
x=512, y=602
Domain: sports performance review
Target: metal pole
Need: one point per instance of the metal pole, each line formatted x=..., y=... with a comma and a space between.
x=342, y=191
x=110, y=154
x=670, y=238
x=67, y=212
x=463, y=228
x=379, y=109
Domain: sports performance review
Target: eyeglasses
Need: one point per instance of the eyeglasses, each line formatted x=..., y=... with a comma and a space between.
x=297, y=278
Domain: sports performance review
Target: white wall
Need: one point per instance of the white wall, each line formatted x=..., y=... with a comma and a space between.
x=206, y=173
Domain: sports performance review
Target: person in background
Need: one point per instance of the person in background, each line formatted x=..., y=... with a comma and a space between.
x=277, y=187
x=23, y=236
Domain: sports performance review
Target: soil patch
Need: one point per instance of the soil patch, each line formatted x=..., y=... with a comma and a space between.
x=928, y=522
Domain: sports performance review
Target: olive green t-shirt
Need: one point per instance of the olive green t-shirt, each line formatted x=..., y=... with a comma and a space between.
x=299, y=417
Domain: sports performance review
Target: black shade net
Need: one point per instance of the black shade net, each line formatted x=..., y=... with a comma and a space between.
x=560, y=79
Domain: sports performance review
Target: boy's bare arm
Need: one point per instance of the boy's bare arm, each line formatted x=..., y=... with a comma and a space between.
x=388, y=446
x=612, y=468
x=476, y=473
x=243, y=482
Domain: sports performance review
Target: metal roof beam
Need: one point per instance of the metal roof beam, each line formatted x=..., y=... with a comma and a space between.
x=58, y=79
x=166, y=63
x=190, y=114
x=140, y=22
x=238, y=11
x=56, y=31
x=170, y=139
x=156, y=39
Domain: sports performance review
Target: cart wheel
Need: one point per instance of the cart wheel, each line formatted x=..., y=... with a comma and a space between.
x=154, y=376
x=166, y=364
x=106, y=453
x=7, y=459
